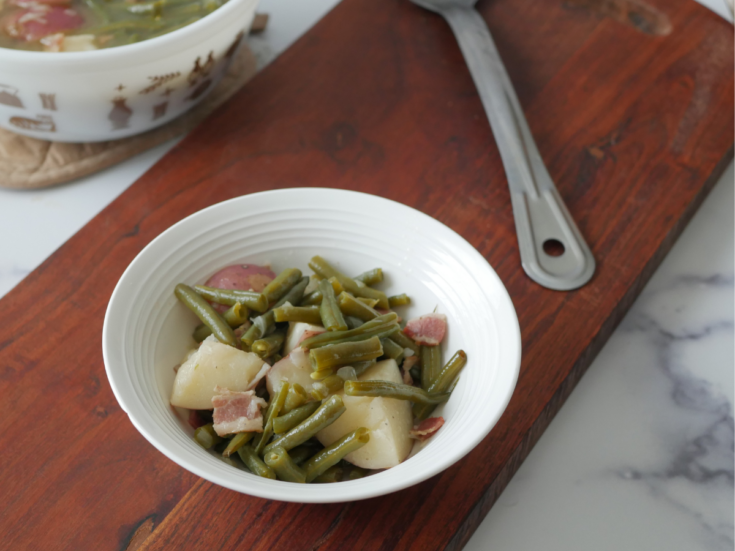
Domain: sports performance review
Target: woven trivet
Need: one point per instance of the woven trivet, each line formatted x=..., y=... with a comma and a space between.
x=27, y=163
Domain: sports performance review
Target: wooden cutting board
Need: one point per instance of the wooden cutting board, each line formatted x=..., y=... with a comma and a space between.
x=635, y=128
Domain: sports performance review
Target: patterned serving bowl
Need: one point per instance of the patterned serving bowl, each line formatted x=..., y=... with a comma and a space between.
x=118, y=92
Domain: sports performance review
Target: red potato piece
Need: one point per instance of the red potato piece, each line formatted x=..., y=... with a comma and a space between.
x=40, y=20
x=237, y=411
x=427, y=428
x=245, y=277
x=427, y=330
x=34, y=3
x=195, y=420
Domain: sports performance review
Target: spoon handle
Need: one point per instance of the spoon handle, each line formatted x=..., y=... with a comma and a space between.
x=553, y=251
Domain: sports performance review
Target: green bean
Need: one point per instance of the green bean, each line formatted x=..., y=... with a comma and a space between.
x=385, y=389
x=240, y=439
x=144, y=8
x=297, y=397
x=201, y=332
x=282, y=284
x=284, y=467
x=236, y=315
x=329, y=311
x=315, y=298
x=144, y=25
x=264, y=323
x=98, y=10
x=230, y=297
x=370, y=302
x=405, y=341
x=431, y=358
x=177, y=25
x=442, y=382
x=350, y=306
x=206, y=314
x=336, y=355
x=371, y=277
x=356, y=473
x=380, y=326
x=325, y=415
x=353, y=322
x=303, y=314
x=392, y=350
x=333, y=454
x=332, y=474
x=206, y=437
x=326, y=270
x=399, y=300
x=362, y=367
x=286, y=422
x=303, y=452
x=254, y=463
x=267, y=346
x=273, y=410
x=328, y=385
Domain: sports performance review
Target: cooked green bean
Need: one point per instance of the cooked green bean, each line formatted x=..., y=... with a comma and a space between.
x=286, y=422
x=101, y=12
x=353, y=322
x=350, y=306
x=371, y=277
x=254, y=463
x=297, y=397
x=329, y=311
x=370, y=302
x=282, y=284
x=334, y=356
x=325, y=415
x=392, y=350
x=405, y=341
x=236, y=315
x=267, y=346
x=206, y=437
x=356, y=473
x=333, y=454
x=264, y=323
x=380, y=327
x=206, y=314
x=442, y=382
x=304, y=314
x=230, y=297
x=315, y=297
x=431, y=358
x=274, y=409
x=285, y=468
x=332, y=474
x=303, y=452
x=362, y=367
x=201, y=332
x=326, y=270
x=239, y=440
x=386, y=389
x=399, y=300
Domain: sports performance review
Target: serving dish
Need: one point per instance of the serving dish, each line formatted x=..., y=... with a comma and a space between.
x=146, y=330
x=118, y=92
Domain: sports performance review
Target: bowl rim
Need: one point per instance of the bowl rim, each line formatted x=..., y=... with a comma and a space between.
x=511, y=347
x=163, y=44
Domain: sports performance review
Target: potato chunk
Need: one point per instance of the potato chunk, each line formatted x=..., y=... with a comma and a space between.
x=389, y=421
x=214, y=364
x=297, y=332
x=294, y=368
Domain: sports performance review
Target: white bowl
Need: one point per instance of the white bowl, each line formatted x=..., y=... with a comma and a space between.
x=147, y=332
x=118, y=92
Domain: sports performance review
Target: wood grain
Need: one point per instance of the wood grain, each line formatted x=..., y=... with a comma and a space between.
x=634, y=128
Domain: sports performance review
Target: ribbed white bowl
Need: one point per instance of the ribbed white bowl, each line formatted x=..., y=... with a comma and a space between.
x=147, y=332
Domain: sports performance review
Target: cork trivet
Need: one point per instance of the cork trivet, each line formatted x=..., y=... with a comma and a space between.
x=27, y=163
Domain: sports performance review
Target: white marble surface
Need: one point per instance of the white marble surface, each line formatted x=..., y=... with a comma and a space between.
x=641, y=455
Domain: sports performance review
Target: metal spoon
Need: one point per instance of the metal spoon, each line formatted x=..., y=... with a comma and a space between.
x=543, y=224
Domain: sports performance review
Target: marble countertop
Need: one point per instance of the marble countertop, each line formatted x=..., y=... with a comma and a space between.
x=641, y=455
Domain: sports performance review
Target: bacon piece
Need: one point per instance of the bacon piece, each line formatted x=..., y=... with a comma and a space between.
x=428, y=330
x=237, y=411
x=426, y=428
x=40, y=20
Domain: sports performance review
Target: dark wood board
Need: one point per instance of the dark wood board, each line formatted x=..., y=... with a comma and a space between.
x=635, y=129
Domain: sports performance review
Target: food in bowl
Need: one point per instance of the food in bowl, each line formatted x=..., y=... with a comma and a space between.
x=310, y=379
x=81, y=25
